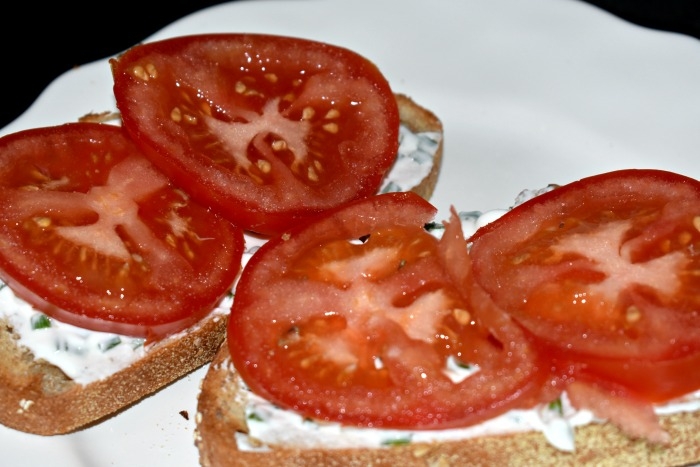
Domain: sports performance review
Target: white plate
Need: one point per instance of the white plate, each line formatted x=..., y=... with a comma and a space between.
x=530, y=92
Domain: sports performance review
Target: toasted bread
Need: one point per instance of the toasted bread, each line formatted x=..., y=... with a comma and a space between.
x=37, y=397
x=221, y=413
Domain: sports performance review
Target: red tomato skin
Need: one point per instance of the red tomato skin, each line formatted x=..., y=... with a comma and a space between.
x=147, y=264
x=653, y=381
x=660, y=213
x=192, y=123
x=274, y=305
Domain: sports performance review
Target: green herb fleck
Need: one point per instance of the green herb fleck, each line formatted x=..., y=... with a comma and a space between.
x=110, y=343
x=466, y=366
x=556, y=406
x=255, y=417
x=396, y=442
x=40, y=321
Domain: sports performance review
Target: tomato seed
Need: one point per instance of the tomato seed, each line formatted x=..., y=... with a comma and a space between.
x=271, y=77
x=331, y=128
x=311, y=174
x=279, y=145
x=308, y=113
x=264, y=166
x=696, y=223
x=189, y=253
x=170, y=240
x=462, y=316
x=152, y=71
x=206, y=108
x=43, y=222
x=176, y=115
x=333, y=113
x=633, y=314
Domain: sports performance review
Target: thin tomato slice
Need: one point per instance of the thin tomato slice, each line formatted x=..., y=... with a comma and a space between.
x=269, y=130
x=94, y=235
x=361, y=317
x=606, y=270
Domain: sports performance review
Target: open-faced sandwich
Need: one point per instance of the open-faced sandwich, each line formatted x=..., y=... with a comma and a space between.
x=565, y=332
x=121, y=243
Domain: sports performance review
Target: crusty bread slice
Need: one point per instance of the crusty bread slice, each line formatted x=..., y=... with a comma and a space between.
x=221, y=413
x=37, y=397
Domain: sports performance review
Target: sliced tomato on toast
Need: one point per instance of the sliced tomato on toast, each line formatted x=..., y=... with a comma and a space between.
x=93, y=234
x=363, y=317
x=268, y=130
x=605, y=272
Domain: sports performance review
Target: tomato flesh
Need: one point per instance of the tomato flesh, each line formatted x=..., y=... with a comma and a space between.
x=269, y=130
x=604, y=272
x=355, y=318
x=94, y=235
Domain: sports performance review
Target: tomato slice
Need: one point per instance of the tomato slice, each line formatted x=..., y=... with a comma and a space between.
x=604, y=269
x=357, y=316
x=269, y=130
x=94, y=235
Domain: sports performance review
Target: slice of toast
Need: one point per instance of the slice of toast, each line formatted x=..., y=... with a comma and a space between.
x=221, y=413
x=37, y=397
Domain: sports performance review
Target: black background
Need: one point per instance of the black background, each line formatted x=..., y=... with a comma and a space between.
x=39, y=43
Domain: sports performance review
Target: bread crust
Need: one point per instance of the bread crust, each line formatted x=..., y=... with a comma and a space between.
x=419, y=119
x=37, y=397
x=220, y=414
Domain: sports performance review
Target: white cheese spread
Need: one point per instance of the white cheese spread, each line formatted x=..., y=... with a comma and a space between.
x=414, y=161
x=269, y=425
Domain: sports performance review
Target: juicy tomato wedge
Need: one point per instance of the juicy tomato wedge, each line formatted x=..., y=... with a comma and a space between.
x=605, y=272
x=269, y=130
x=361, y=317
x=95, y=236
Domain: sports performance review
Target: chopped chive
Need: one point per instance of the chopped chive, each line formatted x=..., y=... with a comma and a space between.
x=109, y=343
x=255, y=417
x=556, y=406
x=396, y=442
x=40, y=321
x=466, y=366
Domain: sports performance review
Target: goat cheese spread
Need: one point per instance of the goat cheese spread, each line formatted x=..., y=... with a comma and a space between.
x=414, y=161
